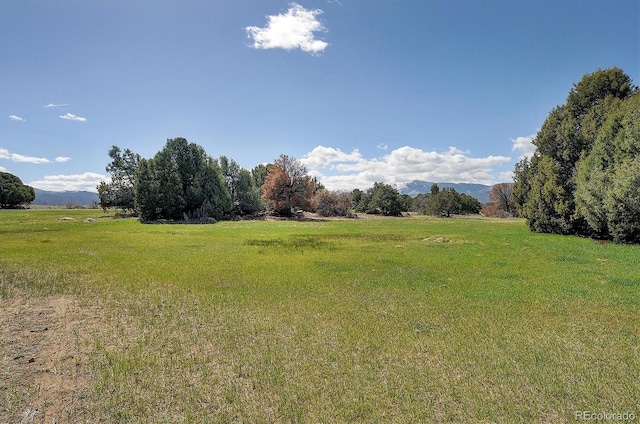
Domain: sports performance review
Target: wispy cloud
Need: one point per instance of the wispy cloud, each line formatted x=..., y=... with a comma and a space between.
x=63, y=159
x=338, y=170
x=382, y=146
x=16, y=157
x=291, y=30
x=55, y=106
x=3, y=169
x=17, y=118
x=524, y=145
x=72, y=117
x=75, y=182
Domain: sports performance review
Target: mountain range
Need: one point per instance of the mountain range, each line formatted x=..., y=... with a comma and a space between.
x=415, y=187
x=64, y=198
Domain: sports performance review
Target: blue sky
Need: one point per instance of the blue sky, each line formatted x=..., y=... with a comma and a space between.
x=360, y=91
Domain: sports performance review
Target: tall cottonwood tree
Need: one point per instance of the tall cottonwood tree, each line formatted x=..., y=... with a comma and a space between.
x=501, y=201
x=502, y=196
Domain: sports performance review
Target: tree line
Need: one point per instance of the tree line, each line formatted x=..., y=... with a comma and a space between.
x=183, y=183
x=584, y=177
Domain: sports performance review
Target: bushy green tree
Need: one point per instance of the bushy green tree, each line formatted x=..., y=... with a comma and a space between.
x=381, y=199
x=522, y=184
x=259, y=173
x=448, y=201
x=181, y=182
x=469, y=204
x=545, y=187
x=248, y=195
x=607, y=193
x=623, y=202
x=120, y=191
x=13, y=192
x=245, y=195
x=549, y=206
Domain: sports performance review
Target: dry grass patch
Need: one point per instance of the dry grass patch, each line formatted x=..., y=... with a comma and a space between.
x=44, y=353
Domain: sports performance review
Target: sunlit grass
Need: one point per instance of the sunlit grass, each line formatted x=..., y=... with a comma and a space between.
x=370, y=320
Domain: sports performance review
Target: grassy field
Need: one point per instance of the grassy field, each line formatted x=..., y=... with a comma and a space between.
x=404, y=320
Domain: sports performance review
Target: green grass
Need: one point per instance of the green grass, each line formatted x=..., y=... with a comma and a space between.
x=372, y=320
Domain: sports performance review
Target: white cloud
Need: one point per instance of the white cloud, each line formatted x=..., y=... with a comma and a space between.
x=72, y=117
x=505, y=177
x=55, y=106
x=339, y=170
x=63, y=159
x=17, y=118
x=87, y=182
x=16, y=157
x=291, y=30
x=3, y=169
x=524, y=145
x=322, y=157
x=382, y=146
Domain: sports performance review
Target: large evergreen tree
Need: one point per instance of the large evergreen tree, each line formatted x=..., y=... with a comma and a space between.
x=545, y=186
x=181, y=182
x=608, y=179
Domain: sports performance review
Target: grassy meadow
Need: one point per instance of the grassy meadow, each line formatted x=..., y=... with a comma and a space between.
x=398, y=320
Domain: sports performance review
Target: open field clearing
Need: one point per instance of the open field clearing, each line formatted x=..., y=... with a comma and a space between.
x=401, y=320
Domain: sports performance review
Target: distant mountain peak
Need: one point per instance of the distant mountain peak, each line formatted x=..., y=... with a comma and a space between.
x=63, y=198
x=415, y=187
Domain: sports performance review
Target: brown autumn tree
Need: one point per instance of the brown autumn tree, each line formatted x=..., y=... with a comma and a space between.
x=287, y=186
x=332, y=203
x=501, y=201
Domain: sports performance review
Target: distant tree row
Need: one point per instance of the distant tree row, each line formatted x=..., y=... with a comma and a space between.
x=445, y=202
x=584, y=177
x=13, y=193
x=182, y=182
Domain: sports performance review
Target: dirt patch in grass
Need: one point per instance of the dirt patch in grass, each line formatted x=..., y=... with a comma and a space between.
x=44, y=352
